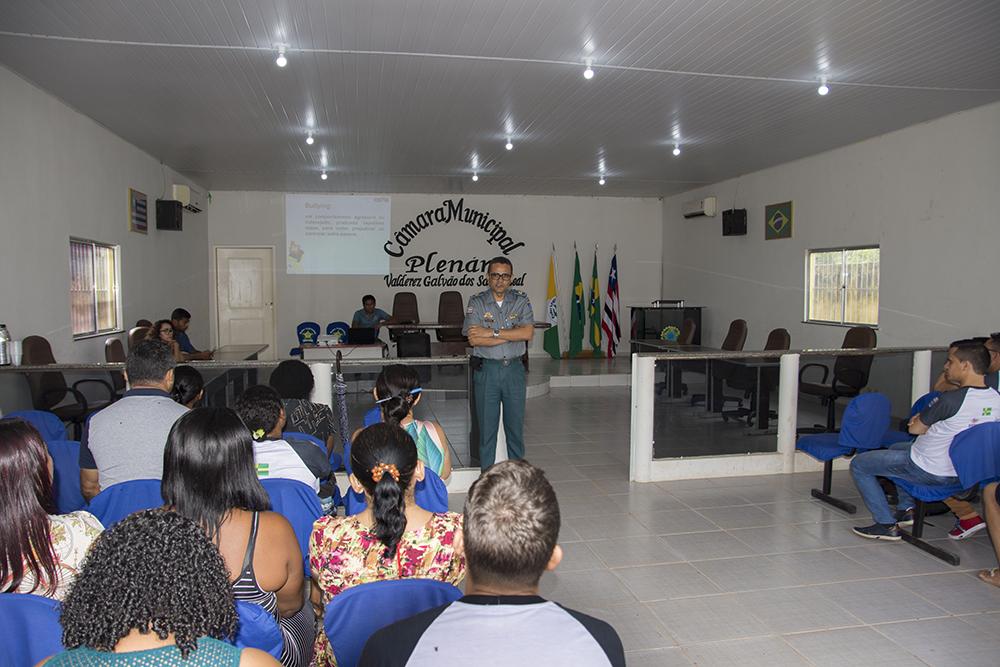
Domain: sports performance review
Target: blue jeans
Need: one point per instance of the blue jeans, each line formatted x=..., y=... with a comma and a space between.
x=892, y=462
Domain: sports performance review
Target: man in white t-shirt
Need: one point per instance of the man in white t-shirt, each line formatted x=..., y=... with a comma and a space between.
x=260, y=409
x=926, y=460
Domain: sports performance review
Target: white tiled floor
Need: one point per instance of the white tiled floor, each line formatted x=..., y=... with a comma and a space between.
x=748, y=571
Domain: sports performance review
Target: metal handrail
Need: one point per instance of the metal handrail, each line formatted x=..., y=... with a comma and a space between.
x=347, y=363
x=770, y=354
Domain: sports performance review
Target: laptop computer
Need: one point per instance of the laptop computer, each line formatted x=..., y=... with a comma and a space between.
x=361, y=336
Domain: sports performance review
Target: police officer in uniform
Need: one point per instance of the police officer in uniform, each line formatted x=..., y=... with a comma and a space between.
x=499, y=323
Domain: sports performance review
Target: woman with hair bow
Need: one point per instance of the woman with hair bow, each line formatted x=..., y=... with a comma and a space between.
x=393, y=538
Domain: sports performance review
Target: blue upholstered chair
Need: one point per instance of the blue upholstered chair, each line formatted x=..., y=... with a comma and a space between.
x=66, y=480
x=355, y=614
x=430, y=493
x=307, y=333
x=299, y=504
x=29, y=628
x=341, y=329
x=258, y=629
x=975, y=453
x=45, y=422
x=119, y=500
x=865, y=422
x=892, y=436
x=305, y=437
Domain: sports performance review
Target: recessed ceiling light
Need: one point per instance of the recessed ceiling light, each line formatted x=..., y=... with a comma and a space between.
x=600, y=181
x=309, y=139
x=677, y=150
x=823, y=88
x=475, y=177
x=281, y=60
x=323, y=176
x=509, y=146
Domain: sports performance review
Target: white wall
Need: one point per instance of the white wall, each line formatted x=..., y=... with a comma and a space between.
x=62, y=175
x=927, y=195
x=257, y=218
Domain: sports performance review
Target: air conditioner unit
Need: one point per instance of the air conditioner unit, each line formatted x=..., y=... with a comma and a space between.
x=700, y=207
x=190, y=198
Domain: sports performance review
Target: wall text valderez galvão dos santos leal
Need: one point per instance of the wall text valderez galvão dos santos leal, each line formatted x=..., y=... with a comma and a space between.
x=431, y=270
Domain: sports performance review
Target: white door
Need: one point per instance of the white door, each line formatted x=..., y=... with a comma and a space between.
x=244, y=292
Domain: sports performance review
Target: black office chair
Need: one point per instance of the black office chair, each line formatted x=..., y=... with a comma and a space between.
x=850, y=376
x=746, y=379
x=451, y=310
x=735, y=339
x=49, y=390
x=404, y=311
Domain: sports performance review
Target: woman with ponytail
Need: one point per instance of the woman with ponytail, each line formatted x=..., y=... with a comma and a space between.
x=393, y=538
x=397, y=392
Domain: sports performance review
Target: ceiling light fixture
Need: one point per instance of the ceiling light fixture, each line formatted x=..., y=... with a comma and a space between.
x=309, y=139
x=323, y=176
x=588, y=73
x=677, y=150
x=475, y=177
x=509, y=146
x=823, y=88
x=601, y=181
x=281, y=60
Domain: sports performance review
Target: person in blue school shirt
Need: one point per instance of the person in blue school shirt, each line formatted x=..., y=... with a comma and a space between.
x=181, y=319
x=369, y=317
x=499, y=324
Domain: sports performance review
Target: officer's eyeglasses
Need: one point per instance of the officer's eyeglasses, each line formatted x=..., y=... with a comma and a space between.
x=504, y=277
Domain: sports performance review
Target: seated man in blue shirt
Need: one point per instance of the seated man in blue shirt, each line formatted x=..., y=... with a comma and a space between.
x=369, y=317
x=181, y=319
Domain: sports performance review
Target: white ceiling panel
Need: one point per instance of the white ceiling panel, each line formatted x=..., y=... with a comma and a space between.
x=414, y=95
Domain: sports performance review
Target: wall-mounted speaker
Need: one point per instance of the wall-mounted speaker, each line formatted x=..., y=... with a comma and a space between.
x=734, y=222
x=169, y=214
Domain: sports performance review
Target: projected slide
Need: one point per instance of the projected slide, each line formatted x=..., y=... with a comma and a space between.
x=336, y=234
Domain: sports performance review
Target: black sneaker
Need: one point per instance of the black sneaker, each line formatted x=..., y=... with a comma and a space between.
x=878, y=531
x=904, y=517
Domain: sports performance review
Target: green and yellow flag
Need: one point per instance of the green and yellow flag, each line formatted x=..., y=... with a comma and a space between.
x=576, y=311
x=551, y=343
x=595, y=307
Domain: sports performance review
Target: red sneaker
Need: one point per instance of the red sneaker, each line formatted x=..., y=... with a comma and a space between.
x=967, y=528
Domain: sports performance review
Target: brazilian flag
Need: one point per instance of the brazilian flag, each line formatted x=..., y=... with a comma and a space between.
x=576, y=310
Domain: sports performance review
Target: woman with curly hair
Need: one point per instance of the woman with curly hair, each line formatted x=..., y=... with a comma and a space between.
x=209, y=477
x=153, y=591
x=164, y=330
x=393, y=538
x=40, y=551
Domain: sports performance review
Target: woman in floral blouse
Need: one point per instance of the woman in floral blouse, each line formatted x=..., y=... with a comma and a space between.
x=39, y=553
x=392, y=539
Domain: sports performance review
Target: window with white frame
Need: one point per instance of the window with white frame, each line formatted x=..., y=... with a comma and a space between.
x=94, y=288
x=842, y=286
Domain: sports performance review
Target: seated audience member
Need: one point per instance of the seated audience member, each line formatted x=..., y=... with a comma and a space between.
x=181, y=320
x=124, y=441
x=397, y=392
x=163, y=330
x=260, y=409
x=152, y=591
x=189, y=386
x=294, y=382
x=991, y=506
x=40, y=551
x=369, y=317
x=393, y=538
x=511, y=532
x=211, y=444
x=926, y=460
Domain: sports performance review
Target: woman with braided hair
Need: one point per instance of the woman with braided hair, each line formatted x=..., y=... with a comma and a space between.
x=397, y=392
x=153, y=591
x=393, y=538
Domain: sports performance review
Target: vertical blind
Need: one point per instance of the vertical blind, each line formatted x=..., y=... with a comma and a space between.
x=94, y=287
